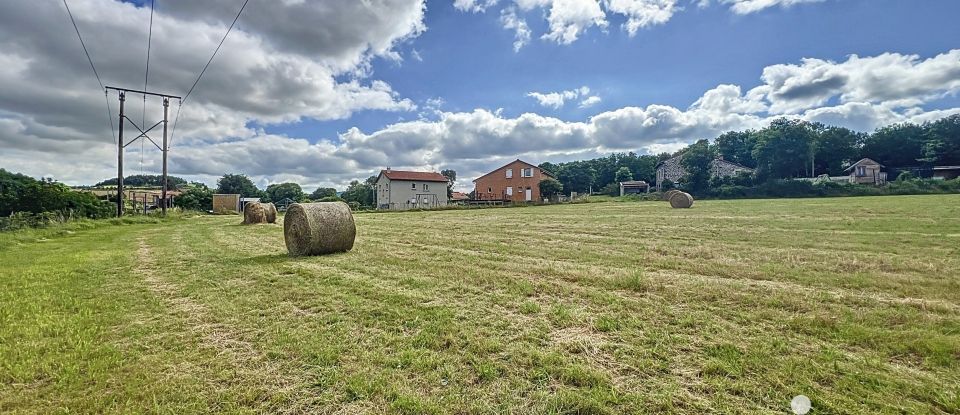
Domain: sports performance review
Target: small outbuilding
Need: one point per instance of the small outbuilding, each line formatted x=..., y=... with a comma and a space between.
x=633, y=187
x=867, y=171
x=226, y=203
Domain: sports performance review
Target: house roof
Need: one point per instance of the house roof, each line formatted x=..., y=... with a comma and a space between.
x=544, y=172
x=864, y=160
x=418, y=176
x=634, y=183
x=946, y=168
x=459, y=196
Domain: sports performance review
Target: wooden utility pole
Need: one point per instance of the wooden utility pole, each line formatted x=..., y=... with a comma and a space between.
x=143, y=134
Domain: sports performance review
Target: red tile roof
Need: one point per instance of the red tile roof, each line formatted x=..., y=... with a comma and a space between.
x=419, y=176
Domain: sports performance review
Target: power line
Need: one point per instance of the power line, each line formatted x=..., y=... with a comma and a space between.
x=215, y=50
x=180, y=104
x=146, y=76
x=83, y=45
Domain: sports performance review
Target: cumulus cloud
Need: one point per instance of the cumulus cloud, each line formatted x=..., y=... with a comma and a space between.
x=568, y=20
x=557, y=100
x=642, y=13
x=753, y=6
x=511, y=21
x=589, y=101
x=906, y=80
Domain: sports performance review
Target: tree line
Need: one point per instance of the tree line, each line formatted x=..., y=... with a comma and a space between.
x=787, y=148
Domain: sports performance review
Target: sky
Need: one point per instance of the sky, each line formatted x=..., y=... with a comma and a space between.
x=322, y=92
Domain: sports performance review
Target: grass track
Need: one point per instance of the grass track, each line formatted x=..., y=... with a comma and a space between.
x=733, y=306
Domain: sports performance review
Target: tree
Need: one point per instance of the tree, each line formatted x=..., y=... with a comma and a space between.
x=359, y=193
x=737, y=147
x=451, y=176
x=577, y=176
x=784, y=149
x=696, y=162
x=623, y=175
x=898, y=145
x=196, y=197
x=323, y=192
x=279, y=191
x=943, y=141
x=140, y=180
x=836, y=148
x=238, y=184
x=550, y=187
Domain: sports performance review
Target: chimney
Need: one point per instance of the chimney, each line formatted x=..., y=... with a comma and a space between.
x=388, y=169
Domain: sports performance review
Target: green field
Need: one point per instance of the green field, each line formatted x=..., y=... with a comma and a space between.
x=615, y=307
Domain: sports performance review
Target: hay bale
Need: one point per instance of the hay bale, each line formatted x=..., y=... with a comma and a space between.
x=271, y=212
x=681, y=200
x=254, y=213
x=318, y=228
x=669, y=193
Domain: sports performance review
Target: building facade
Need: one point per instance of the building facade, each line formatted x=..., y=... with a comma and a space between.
x=867, y=171
x=398, y=190
x=518, y=181
x=672, y=169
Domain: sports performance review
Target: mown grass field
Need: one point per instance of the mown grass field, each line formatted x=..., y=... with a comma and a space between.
x=730, y=307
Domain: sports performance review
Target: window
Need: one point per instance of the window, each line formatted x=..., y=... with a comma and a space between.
x=425, y=187
x=509, y=190
x=861, y=171
x=489, y=190
x=527, y=172
x=413, y=186
x=509, y=173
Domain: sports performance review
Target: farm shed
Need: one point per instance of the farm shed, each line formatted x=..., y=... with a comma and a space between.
x=226, y=203
x=633, y=187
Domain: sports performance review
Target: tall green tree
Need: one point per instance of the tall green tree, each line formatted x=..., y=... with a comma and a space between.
x=323, y=192
x=451, y=176
x=898, y=145
x=196, y=196
x=942, y=141
x=550, y=187
x=784, y=149
x=737, y=147
x=623, y=175
x=279, y=191
x=836, y=148
x=238, y=184
x=696, y=162
x=359, y=192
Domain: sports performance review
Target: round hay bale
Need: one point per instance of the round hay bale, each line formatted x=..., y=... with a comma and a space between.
x=254, y=213
x=318, y=228
x=669, y=193
x=681, y=200
x=271, y=212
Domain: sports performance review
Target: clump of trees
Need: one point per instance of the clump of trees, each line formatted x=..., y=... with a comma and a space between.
x=787, y=148
x=35, y=202
x=146, y=180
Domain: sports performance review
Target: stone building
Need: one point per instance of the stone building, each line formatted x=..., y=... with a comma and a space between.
x=672, y=169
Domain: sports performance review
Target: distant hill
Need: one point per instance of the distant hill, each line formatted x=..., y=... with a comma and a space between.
x=145, y=180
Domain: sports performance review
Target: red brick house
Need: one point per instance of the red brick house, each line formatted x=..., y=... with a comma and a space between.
x=518, y=181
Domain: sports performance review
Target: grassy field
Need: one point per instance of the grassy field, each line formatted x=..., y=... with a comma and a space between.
x=730, y=307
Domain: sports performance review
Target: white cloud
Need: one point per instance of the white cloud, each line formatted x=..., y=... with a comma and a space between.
x=642, y=13
x=891, y=77
x=753, y=6
x=475, y=6
x=568, y=20
x=589, y=101
x=557, y=100
x=510, y=21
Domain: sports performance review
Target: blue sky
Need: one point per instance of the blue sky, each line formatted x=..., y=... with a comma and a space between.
x=468, y=60
x=417, y=85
